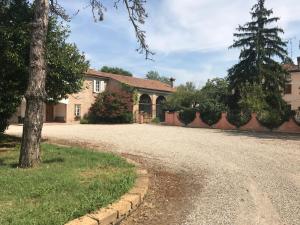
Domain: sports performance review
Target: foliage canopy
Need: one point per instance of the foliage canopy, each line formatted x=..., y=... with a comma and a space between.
x=116, y=70
x=65, y=64
x=258, y=79
x=112, y=107
x=154, y=75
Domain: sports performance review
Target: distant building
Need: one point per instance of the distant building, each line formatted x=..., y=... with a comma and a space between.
x=292, y=88
x=150, y=94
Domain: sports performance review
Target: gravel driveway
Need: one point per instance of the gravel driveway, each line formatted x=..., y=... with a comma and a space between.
x=249, y=178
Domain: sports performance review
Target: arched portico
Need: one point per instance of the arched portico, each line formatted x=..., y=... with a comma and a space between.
x=145, y=106
x=160, y=114
x=149, y=106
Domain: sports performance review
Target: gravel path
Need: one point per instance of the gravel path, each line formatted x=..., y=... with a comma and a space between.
x=249, y=178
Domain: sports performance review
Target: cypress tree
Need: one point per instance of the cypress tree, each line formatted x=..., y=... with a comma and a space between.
x=262, y=49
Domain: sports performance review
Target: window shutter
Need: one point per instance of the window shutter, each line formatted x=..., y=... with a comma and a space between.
x=94, y=90
x=102, y=86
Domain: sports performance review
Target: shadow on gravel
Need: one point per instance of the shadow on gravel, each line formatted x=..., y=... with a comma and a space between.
x=263, y=135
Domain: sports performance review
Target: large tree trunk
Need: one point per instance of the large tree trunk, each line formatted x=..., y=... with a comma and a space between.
x=35, y=94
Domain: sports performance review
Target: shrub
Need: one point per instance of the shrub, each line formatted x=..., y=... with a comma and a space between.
x=238, y=118
x=270, y=119
x=187, y=115
x=297, y=117
x=112, y=107
x=3, y=123
x=84, y=121
x=155, y=120
x=273, y=118
x=211, y=111
x=210, y=117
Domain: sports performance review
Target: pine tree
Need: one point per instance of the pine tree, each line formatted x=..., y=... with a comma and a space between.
x=261, y=49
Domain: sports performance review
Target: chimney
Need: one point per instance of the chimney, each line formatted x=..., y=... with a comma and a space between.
x=298, y=61
x=172, y=80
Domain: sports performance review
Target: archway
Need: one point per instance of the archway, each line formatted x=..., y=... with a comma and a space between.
x=160, y=113
x=145, y=107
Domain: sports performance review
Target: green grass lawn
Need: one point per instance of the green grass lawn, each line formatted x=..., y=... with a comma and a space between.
x=69, y=183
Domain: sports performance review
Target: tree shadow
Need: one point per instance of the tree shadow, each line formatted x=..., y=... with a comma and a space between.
x=7, y=141
x=4, y=164
x=264, y=135
x=54, y=160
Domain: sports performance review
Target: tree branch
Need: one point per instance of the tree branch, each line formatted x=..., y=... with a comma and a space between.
x=58, y=10
x=137, y=15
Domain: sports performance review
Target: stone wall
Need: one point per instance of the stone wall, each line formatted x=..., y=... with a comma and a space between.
x=172, y=119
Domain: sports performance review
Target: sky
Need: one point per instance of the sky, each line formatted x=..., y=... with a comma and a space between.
x=190, y=38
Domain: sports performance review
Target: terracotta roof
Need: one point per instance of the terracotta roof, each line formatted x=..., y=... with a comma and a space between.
x=134, y=81
x=291, y=67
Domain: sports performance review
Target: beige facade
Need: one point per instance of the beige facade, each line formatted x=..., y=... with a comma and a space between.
x=293, y=97
x=85, y=98
x=76, y=106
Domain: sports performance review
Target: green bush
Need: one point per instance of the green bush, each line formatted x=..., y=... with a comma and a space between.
x=238, y=118
x=84, y=121
x=155, y=120
x=210, y=117
x=126, y=118
x=187, y=115
x=3, y=123
x=112, y=107
x=297, y=117
x=273, y=118
x=211, y=111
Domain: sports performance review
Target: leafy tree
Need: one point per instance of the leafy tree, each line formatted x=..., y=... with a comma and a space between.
x=215, y=89
x=184, y=97
x=154, y=75
x=112, y=107
x=116, y=70
x=14, y=51
x=261, y=47
x=212, y=100
x=253, y=98
x=35, y=93
x=65, y=65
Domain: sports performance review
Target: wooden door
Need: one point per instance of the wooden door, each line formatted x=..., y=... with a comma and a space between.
x=49, y=113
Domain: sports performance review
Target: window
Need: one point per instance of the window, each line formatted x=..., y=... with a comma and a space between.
x=99, y=86
x=77, y=110
x=288, y=89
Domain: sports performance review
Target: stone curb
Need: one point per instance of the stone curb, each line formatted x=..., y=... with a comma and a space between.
x=114, y=213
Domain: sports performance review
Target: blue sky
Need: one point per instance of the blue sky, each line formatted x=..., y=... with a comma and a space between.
x=190, y=37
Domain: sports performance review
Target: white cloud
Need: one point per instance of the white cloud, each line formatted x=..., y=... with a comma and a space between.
x=190, y=37
x=205, y=25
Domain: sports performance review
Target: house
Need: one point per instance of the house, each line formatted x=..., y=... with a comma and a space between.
x=292, y=88
x=150, y=94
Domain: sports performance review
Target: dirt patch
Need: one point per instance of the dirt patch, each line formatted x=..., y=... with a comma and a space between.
x=167, y=201
x=82, y=144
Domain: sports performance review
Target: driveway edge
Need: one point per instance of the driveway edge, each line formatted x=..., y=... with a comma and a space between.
x=121, y=209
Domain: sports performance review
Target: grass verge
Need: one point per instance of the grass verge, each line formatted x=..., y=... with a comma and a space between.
x=69, y=183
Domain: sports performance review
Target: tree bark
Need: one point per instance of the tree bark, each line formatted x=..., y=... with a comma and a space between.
x=35, y=94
